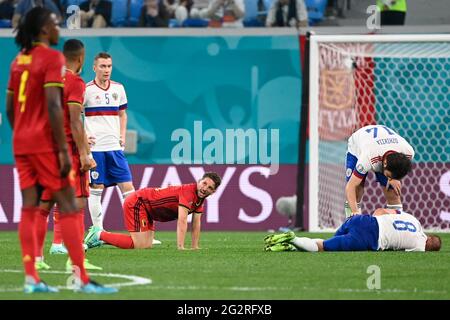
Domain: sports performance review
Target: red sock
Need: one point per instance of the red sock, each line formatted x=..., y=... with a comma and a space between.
x=118, y=240
x=41, y=222
x=27, y=236
x=72, y=240
x=57, y=235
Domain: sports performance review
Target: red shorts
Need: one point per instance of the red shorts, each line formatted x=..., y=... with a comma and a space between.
x=42, y=169
x=78, y=180
x=135, y=215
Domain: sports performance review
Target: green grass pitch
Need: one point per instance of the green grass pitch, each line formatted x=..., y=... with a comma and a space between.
x=233, y=265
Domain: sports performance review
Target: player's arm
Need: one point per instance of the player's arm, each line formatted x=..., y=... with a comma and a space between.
x=53, y=97
x=181, y=226
x=79, y=135
x=123, y=126
x=350, y=192
x=10, y=107
x=196, y=223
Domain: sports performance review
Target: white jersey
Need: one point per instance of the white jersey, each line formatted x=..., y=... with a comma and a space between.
x=101, y=108
x=371, y=143
x=400, y=232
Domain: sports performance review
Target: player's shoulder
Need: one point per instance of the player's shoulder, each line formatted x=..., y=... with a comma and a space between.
x=116, y=84
x=50, y=53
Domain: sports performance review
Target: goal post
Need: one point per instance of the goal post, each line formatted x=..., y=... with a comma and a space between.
x=401, y=81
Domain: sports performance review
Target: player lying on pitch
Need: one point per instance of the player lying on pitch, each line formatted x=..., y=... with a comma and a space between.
x=145, y=206
x=385, y=229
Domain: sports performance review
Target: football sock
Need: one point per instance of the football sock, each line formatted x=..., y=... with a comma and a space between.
x=118, y=240
x=126, y=194
x=305, y=244
x=73, y=241
x=95, y=207
x=41, y=221
x=57, y=235
x=81, y=222
x=27, y=236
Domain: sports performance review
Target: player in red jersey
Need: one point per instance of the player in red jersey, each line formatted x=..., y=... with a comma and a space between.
x=147, y=205
x=34, y=110
x=82, y=160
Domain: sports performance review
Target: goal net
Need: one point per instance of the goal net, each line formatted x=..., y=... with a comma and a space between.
x=400, y=81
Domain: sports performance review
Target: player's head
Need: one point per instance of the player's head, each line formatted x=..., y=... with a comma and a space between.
x=103, y=66
x=433, y=243
x=396, y=165
x=208, y=184
x=39, y=24
x=74, y=52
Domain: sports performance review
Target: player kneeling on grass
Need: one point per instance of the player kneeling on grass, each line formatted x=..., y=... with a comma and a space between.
x=147, y=205
x=385, y=229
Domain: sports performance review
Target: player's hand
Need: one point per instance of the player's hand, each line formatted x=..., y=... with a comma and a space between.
x=64, y=163
x=396, y=185
x=85, y=163
x=91, y=141
x=93, y=163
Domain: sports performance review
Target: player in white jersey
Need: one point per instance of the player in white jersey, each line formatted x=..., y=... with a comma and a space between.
x=105, y=107
x=385, y=229
x=379, y=149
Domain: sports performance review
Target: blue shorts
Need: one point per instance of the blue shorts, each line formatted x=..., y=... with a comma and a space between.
x=358, y=233
x=112, y=168
x=350, y=164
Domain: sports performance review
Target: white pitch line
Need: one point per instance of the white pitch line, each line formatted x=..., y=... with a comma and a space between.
x=134, y=280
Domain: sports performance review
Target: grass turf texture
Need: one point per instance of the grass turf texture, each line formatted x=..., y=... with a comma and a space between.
x=233, y=265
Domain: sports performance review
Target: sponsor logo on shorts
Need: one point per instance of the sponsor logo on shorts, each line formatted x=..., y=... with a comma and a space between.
x=94, y=175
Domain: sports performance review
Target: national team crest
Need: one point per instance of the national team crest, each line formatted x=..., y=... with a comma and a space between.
x=97, y=100
x=94, y=175
x=115, y=95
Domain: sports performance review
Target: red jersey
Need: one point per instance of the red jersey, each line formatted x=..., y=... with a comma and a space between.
x=30, y=74
x=74, y=88
x=162, y=204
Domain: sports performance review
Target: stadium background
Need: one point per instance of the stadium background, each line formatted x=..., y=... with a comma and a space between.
x=226, y=82
x=244, y=80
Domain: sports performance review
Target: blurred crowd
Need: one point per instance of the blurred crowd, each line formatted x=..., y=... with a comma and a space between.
x=174, y=13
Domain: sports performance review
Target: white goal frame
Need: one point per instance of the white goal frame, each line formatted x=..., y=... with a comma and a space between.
x=313, y=187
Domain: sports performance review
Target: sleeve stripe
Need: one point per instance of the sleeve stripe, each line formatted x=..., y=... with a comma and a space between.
x=74, y=103
x=54, y=84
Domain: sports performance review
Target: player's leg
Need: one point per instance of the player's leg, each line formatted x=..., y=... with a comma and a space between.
x=120, y=173
x=96, y=189
x=31, y=193
x=393, y=200
x=350, y=164
x=41, y=229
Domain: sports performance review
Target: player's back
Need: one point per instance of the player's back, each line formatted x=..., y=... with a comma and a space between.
x=378, y=139
x=370, y=143
x=30, y=74
x=400, y=232
x=74, y=88
x=163, y=203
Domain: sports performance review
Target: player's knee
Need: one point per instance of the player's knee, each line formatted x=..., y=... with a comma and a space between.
x=142, y=243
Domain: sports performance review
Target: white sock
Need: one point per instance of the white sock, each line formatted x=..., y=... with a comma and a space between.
x=305, y=244
x=126, y=194
x=95, y=207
